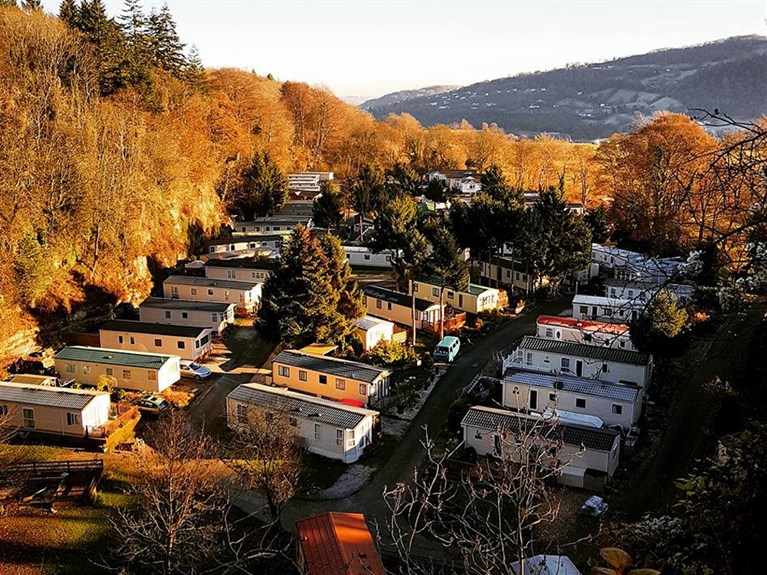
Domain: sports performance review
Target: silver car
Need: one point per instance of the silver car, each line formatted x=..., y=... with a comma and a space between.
x=195, y=370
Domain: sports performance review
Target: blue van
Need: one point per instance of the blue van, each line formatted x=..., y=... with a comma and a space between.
x=447, y=349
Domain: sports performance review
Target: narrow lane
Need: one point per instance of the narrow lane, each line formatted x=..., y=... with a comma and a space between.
x=433, y=415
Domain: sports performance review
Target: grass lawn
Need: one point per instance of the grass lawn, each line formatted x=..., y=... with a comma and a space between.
x=71, y=541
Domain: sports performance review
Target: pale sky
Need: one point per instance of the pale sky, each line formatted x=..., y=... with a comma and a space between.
x=369, y=48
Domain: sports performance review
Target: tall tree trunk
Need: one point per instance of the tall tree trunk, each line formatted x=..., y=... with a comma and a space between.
x=361, y=218
x=412, y=314
x=441, y=313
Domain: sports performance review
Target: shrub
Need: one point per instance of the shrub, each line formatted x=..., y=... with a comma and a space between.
x=390, y=353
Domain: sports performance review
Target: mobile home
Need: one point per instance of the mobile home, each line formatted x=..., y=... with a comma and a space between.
x=588, y=456
x=188, y=342
x=244, y=295
x=585, y=331
x=371, y=330
x=215, y=316
x=396, y=307
x=325, y=427
x=330, y=377
x=123, y=369
x=474, y=299
x=590, y=361
x=53, y=410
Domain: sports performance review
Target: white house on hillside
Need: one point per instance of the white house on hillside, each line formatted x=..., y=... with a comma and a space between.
x=244, y=295
x=187, y=342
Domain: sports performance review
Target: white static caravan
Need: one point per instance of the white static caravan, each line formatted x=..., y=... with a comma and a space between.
x=240, y=269
x=212, y=315
x=244, y=295
x=360, y=256
x=371, y=330
x=55, y=411
x=589, y=455
x=616, y=404
x=590, y=361
x=188, y=342
x=325, y=427
x=598, y=308
x=645, y=291
x=127, y=369
x=585, y=331
x=248, y=244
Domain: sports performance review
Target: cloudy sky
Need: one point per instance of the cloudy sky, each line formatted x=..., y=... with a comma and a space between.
x=368, y=48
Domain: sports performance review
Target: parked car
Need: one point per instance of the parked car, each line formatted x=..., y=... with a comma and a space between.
x=195, y=370
x=594, y=506
x=152, y=404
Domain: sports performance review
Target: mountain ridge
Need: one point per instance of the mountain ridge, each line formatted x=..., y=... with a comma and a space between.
x=591, y=101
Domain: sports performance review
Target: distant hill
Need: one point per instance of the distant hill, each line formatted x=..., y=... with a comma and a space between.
x=405, y=95
x=591, y=101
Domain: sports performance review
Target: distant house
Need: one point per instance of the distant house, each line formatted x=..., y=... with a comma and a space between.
x=57, y=411
x=474, y=299
x=599, y=363
x=464, y=182
x=371, y=330
x=512, y=273
x=248, y=244
x=325, y=427
x=532, y=198
x=279, y=222
x=244, y=295
x=633, y=266
x=240, y=269
x=127, y=369
x=188, y=342
x=585, y=331
x=614, y=403
x=588, y=457
x=396, y=307
x=337, y=544
x=605, y=309
x=361, y=256
x=645, y=291
x=329, y=377
x=545, y=565
x=212, y=315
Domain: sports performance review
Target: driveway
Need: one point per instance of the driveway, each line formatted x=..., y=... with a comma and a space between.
x=410, y=451
x=247, y=352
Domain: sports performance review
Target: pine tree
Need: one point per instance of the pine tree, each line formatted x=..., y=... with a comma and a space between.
x=555, y=240
x=133, y=23
x=349, y=307
x=368, y=192
x=93, y=20
x=310, y=296
x=31, y=4
x=69, y=13
x=195, y=74
x=327, y=211
x=166, y=47
x=263, y=190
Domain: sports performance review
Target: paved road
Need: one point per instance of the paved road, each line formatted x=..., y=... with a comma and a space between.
x=410, y=452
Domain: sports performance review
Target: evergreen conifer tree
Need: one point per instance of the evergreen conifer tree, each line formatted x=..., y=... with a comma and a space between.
x=32, y=4
x=69, y=13
x=310, y=295
x=166, y=47
x=327, y=209
x=195, y=72
x=263, y=190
